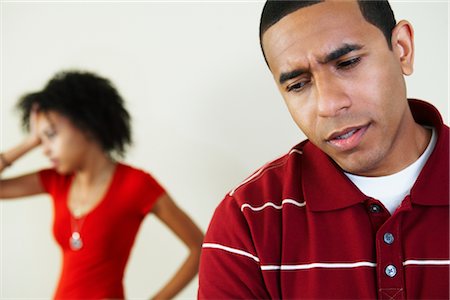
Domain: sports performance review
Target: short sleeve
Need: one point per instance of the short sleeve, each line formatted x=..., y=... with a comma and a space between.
x=152, y=190
x=229, y=266
x=50, y=180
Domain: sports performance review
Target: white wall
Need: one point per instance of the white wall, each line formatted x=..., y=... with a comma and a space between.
x=205, y=108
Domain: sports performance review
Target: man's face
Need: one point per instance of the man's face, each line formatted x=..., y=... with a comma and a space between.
x=342, y=84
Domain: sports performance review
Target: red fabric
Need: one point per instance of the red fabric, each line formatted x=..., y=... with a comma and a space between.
x=299, y=229
x=108, y=232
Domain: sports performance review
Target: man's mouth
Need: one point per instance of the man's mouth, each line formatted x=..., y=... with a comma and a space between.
x=348, y=138
x=346, y=135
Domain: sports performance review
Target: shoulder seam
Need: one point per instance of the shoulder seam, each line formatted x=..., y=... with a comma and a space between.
x=271, y=204
x=266, y=167
x=231, y=250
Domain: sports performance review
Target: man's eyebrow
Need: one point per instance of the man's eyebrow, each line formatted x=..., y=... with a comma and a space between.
x=289, y=75
x=335, y=54
x=341, y=51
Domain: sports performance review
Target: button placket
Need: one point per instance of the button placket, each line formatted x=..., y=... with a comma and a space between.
x=376, y=213
x=374, y=208
x=389, y=259
x=390, y=271
x=388, y=238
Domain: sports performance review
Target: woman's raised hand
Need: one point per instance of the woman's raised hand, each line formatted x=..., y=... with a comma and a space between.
x=33, y=137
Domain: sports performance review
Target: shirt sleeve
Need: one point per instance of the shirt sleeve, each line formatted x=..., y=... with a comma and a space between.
x=49, y=180
x=229, y=266
x=152, y=190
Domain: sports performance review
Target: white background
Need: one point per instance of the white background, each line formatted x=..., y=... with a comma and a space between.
x=206, y=112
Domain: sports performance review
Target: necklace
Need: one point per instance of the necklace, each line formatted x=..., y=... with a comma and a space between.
x=76, y=216
x=76, y=222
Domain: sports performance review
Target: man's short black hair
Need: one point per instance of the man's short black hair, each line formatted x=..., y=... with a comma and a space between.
x=377, y=12
x=90, y=102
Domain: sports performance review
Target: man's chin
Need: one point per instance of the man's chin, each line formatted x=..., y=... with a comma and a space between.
x=356, y=165
x=361, y=169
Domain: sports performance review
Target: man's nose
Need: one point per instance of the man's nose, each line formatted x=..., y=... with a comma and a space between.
x=331, y=97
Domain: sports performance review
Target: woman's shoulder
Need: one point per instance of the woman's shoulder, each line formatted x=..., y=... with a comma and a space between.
x=51, y=174
x=136, y=178
x=132, y=171
x=53, y=181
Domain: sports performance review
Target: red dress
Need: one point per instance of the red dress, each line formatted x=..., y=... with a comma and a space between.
x=108, y=231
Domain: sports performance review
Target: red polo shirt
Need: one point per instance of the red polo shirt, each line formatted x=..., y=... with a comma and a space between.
x=299, y=228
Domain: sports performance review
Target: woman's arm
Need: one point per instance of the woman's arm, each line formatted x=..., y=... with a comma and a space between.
x=21, y=186
x=25, y=185
x=180, y=223
x=8, y=157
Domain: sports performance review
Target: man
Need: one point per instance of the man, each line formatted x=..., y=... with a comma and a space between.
x=360, y=209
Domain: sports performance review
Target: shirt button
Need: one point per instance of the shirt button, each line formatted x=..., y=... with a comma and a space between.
x=391, y=271
x=375, y=208
x=388, y=238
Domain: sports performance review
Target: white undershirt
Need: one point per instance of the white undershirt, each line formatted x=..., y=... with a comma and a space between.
x=392, y=189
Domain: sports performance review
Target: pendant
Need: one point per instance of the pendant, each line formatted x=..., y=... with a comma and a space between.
x=77, y=213
x=75, y=241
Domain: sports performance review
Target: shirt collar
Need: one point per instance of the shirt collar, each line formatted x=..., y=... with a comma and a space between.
x=432, y=185
x=326, y=187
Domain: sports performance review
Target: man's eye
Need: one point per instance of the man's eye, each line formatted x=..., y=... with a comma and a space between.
x=348, y=64
x=296, y=87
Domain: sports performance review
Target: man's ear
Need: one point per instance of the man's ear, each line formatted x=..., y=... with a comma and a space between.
x=402, y=41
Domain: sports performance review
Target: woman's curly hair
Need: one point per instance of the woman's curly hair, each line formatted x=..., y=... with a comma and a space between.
x=90, y=102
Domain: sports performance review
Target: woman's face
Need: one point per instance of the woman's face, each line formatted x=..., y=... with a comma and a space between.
x=64, y=144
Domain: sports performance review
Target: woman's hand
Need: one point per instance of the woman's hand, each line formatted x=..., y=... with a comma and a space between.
x=32, y=141
x=33, y=138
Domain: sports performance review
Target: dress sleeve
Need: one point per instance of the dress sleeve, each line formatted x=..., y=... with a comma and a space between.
x=229, y=265
x=49, y=180
x=152, y=190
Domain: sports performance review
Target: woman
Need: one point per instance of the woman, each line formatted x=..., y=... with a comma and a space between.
x=80, y=121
